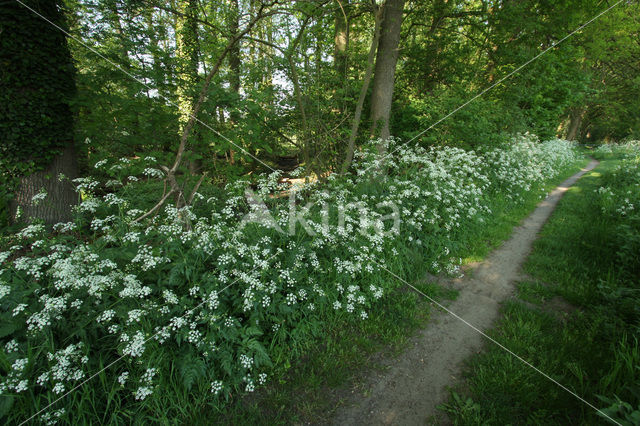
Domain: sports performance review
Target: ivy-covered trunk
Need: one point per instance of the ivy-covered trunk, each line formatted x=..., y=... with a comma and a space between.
x=37, y=82
x=187, y=55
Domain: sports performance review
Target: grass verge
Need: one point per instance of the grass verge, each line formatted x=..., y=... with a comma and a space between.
x=575, y=319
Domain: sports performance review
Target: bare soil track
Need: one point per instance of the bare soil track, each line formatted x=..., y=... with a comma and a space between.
x=411, y=386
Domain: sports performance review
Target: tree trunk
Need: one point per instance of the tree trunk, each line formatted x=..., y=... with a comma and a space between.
x=575, y=121
x=297, y=90
x=37, y=83
x=386, y=60
x=341, y=38
x=61, y=195
x=363, y=94
x=306, y=151
x=234, y=64
x=125, y=62
x=187, y=53
x=234, y=53
x=158, y=76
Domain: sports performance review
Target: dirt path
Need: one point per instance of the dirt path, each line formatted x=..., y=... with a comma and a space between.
x=411, y=386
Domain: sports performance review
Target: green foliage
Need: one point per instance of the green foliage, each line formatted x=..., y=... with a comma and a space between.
x=580, y=321
x=613, y=49
x=189, y=312
x=621, y=411
x=496, y=41
x=451, y=51
x=485, y=122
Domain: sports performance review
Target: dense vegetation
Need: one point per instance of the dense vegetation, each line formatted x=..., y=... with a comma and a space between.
x=248, y=85
x=577, y=317
x=191, y=312
x=247, y=166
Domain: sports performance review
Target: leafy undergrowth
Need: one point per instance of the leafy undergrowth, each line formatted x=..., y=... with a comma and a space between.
x=311, y=390
x=577, y=319
x=178, y=315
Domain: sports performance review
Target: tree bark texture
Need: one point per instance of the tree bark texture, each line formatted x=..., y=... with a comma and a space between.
x=341, y=37
x=61, y=195
x=385, y=69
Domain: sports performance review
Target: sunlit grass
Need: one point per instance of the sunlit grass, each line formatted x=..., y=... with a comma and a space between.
x=583, y=340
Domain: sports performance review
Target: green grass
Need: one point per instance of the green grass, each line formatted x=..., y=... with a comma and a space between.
x=568, y=320
x=307, y=390
x=346, y=351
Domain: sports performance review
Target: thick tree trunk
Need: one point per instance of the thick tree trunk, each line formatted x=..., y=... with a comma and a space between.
x=61, y=196
x=386, y=60
x=187, y=53
x=575, y=121
x=37, y=83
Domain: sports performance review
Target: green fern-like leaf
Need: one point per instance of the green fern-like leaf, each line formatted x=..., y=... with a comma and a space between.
x=191, y=370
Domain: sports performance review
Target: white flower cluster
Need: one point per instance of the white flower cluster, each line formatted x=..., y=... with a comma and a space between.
x=36, y=199
x=15, y=379
x=65, y=369
x=154, y=173
x=246, y=361
x=205, y=282
x=64, y=227
x=31, y=231
x=628, y=149
x=135, y=346
x=89, y=205
x=146, y=382
x=11, y=346
x=4, y=255
x=512, y=176
x=216, y=387
x=147, y=260
x=100, y=164
x=131, y=237
x=621, y=196
x=113, y=200
x=122, y=378
x=52, y=417
x=86, y=184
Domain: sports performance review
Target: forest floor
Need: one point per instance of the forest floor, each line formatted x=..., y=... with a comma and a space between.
x=409, y=387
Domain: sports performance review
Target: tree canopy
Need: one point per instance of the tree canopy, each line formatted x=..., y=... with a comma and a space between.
x=289, y=85
x=262, y=85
